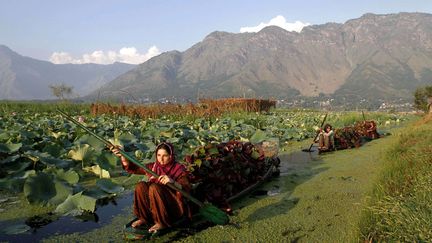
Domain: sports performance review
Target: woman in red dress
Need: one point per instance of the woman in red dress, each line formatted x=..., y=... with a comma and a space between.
x=155, y=204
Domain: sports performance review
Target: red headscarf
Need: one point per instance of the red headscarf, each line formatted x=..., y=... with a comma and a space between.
x=173, y=169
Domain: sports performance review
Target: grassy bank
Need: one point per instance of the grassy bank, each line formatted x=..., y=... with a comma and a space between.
x=401, y=203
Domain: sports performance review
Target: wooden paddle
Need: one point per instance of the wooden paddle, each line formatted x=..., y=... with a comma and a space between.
x=313, y=141
x=207, y=210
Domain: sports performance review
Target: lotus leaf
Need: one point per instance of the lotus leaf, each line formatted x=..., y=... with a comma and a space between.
x=109, y=186
x=4, y=136
x=10, y=159
x=53, y=149
x=258, y=136
x=69, y=176
x=16, y=167
x=83, y=153
x=15, y=229
x=76, y=203
x=107, y=160
x=92, y=141
x=9, y=148
x=24, y=174
x=133, y=179
x=39, y=188
x=96, y=193
x=62, y=192
x=59, y=163
x=12, y=184
x=97, y=170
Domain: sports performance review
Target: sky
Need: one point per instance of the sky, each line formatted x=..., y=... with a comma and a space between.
x=132, y=31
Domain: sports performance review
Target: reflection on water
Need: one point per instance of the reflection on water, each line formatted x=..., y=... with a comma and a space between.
x=43, y=226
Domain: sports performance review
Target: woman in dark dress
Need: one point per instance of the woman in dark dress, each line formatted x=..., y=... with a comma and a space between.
x=155, y=204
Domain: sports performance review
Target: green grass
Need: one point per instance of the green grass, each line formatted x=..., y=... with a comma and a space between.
x=400, y=207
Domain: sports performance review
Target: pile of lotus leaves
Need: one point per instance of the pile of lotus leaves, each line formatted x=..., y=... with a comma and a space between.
x=220, y=171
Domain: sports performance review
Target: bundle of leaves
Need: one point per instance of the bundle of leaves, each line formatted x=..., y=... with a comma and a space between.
x=346, y=138
x=220, y=171
x=355, y=136
x=367, y=129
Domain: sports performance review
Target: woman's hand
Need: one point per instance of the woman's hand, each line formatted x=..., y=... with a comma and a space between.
x=164, y=179
x=116, y=151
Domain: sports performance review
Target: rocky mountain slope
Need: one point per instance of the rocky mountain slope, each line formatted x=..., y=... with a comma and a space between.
x=372, y=57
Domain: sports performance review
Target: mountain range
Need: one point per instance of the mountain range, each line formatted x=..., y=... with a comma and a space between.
x=25, y=78
x=377, y=57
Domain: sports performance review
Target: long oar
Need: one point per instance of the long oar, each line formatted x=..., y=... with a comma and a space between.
x=313, y=141
x=207, y=210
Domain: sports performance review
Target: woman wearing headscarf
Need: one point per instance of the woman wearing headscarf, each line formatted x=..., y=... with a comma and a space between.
x=155, y=203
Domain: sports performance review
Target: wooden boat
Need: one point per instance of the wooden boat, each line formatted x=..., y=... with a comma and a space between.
x=142, y=233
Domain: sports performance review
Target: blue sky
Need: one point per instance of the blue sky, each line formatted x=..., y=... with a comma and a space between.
x=103, y=30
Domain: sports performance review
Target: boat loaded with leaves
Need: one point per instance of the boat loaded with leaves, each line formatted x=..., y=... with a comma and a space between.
x=221, y=173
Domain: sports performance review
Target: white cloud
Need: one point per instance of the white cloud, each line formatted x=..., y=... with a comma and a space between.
x=278, y=21
x=125, y=54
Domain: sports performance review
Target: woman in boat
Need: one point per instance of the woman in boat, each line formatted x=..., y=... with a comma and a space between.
x=326, y=139
x=155, y=204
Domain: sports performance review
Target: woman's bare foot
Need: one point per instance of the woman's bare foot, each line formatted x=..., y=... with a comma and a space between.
x=138, y=223
x=155, y=228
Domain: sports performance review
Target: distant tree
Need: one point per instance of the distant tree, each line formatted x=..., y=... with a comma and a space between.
x=61, y=91
x=423, y=98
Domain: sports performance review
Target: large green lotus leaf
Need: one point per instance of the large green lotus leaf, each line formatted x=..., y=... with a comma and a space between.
x=146, y=147
x=168, y=134
x=76, y=203
x=39, y=188
x=62, y=192
x=92, y=141
x=28, y=134
x=12, y=184
x=53, y=149
x=9, y=148
x=133, y=179
x=258, y=136
x=15, y=229
x=96, y=193
x=24, y=174
x=59, y=163
x=127, y=137
x=107, y=160
x=97, y=170
x=109, y=186
x=83, y=152
x=69, y=176
x=16, y=167
x=173, y=140
x=10, y=159
x=193, y=143
x=4, y=136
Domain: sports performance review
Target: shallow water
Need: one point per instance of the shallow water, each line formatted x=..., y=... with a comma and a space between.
x=68, y=224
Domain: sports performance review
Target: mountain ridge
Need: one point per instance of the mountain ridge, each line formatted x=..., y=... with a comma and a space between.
x=26, y=78
x=376, y=56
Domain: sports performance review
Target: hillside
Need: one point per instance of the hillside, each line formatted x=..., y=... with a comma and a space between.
x=373, y=57
x=24, y=78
